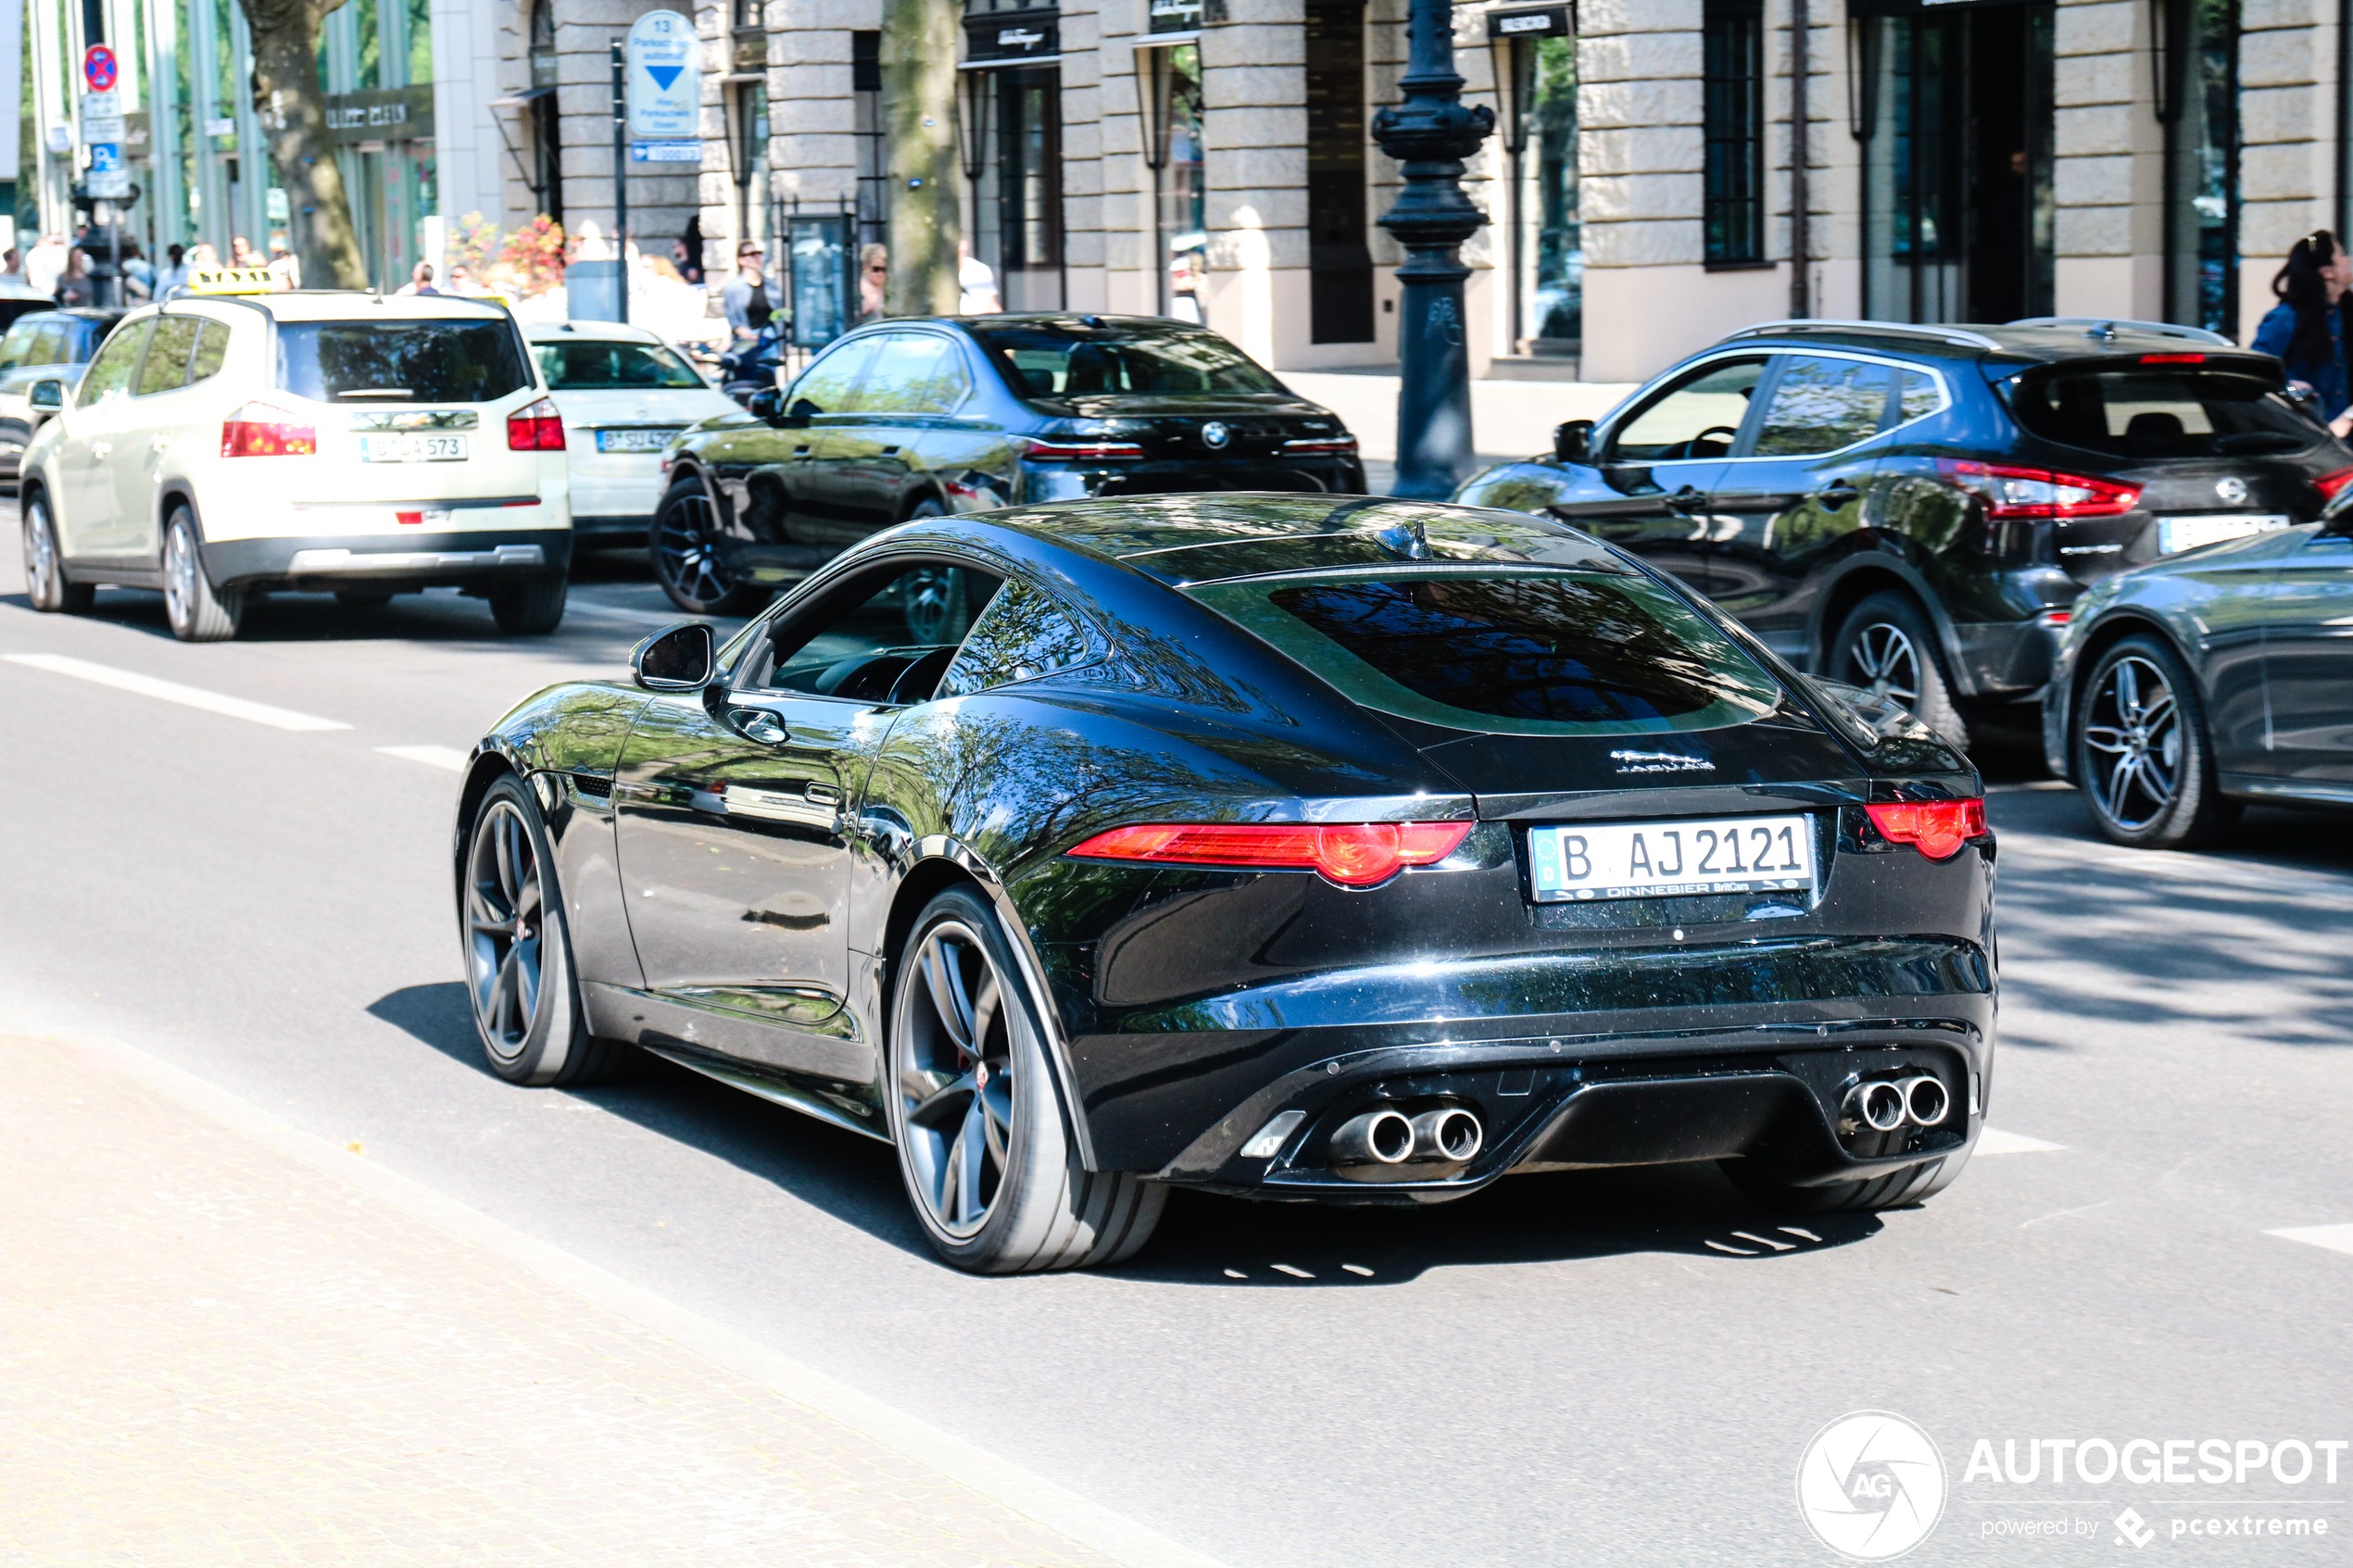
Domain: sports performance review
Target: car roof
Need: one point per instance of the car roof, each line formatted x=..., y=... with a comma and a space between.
x=1215, y=536
x=609, y=332
x=2039, y=340
x=347, y=305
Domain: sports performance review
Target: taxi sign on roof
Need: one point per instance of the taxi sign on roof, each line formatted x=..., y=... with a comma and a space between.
x=232, y=279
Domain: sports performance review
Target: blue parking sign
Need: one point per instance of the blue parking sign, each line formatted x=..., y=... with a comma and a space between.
x=106, y=157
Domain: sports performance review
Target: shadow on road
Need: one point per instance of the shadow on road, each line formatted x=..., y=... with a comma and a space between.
x=1203, y=1240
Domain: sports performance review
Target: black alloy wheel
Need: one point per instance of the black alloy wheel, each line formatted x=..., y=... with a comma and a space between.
x=518, y=953
x=2143, y=758
x=45, y=565
x=683, y=541
x=985, y=1145
x=1887, y=646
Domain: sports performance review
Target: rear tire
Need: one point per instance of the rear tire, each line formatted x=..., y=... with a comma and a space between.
x=1888, y=645
x=985, y=1143
x=533, y=608
x=519, y=981
x=198, y=612
x=45, y=565
x=2141, y=752
x=684, y=541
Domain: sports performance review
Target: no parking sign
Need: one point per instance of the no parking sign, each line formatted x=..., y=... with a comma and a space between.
x=99, y=70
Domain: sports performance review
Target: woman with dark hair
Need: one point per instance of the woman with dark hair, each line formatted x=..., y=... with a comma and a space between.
x=2306, y=330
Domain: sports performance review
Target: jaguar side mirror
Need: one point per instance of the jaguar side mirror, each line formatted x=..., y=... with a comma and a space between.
x=766, y=404
x=47, y=396
x=1573, y=441
x=681, y=660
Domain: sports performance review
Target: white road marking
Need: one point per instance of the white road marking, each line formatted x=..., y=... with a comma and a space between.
x=430, y=756
x=1295, y=1273
x=1358, y=1269
x=1736, y=1251
x=1768, y=1241
x=2336, y=1239
x=1993, y=1140
x=172, y=691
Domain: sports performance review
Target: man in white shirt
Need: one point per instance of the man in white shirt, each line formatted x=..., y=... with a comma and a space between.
x=46, y=264
x=978, y=283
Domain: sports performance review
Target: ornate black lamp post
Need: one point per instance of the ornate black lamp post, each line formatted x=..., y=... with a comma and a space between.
x=1430, y=133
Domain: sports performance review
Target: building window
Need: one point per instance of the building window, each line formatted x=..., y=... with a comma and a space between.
x=1017, y=199
x=1340, y=263
x=865, y=91
x=2198, y=93
x=1733, y=126
x=547, y=136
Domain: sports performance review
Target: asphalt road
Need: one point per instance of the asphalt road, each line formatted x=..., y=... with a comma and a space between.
x=1569, y=1370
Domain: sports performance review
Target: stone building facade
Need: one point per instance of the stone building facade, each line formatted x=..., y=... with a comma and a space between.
x=1965, y=160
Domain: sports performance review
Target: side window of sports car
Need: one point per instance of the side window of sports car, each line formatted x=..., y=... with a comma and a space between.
x=1699, y=417
x=885, y=635
x=110, y=372
x=1024, y=634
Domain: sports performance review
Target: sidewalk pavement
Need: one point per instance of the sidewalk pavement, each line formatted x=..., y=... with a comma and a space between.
x=1509, y=419
x=214, y=1355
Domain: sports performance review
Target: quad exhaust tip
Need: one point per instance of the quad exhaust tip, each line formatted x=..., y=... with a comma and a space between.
x=1374, y=1137
x=1447, y=1135
x=1885, y=1105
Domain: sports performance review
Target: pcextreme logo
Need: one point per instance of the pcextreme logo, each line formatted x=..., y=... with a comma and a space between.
x=1871, y=1486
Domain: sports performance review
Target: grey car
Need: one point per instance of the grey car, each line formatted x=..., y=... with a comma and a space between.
x=43, y=344
x=2205, y=680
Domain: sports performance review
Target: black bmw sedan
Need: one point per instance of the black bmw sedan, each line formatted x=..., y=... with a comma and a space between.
x=1915, y=508
x=1360, y=852
x=923, y=418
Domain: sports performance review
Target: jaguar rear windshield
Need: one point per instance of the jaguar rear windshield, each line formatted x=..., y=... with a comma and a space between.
x=400, y=361
x=2155, y=412
x=1049, y=359
x=1558, y=652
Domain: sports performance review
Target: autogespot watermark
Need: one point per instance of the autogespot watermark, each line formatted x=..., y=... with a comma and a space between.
x=1873, y=1485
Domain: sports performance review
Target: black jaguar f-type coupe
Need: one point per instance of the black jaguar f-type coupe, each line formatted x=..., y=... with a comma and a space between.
x=1277, y=845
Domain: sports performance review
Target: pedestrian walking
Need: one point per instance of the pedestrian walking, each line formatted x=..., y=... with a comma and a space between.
x=873, y=276
x=77, y=287
x=174, y=273
x=745, y=300
x=12, y=269
x=420, y=281
x=2306, y=329
x=975, y=283
x=45, y=264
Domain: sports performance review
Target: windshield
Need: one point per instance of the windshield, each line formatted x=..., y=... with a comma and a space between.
x=1050, y=359
x=602, y=365
x=2152, y=412
x=400, y=361
x=1521, y=652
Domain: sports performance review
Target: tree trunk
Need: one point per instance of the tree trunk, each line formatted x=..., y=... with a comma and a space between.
x=293, y=109
x=918, y=98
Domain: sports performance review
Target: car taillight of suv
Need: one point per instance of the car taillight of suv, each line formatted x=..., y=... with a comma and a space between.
x=539, y=428
x=263, y=430
x=2011, y=492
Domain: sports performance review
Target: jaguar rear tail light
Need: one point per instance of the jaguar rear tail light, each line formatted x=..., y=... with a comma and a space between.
x=1352, y=853
x=1320, y=446
x=1936, y=828
x=539, y=428
x=263, y=430
x=2009, y=492
x=2328, y=484
x=1080, y=451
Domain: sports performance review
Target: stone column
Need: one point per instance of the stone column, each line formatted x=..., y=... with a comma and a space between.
x=2287, y=140
x=2109, y=163
x=1255, y=132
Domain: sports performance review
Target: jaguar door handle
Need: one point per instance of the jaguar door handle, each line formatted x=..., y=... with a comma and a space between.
x=800, y=451
x=1686, y=499
x=823, y=795
x=765, y=728
x=1837, y=493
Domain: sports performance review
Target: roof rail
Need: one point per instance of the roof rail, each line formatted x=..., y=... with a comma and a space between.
x=2108, y=327
x=1960, y=335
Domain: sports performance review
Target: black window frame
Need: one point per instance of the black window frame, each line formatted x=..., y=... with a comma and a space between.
x=1733, y=210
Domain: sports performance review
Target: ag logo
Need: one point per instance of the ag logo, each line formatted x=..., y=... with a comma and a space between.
x=2232, y=490
x=1871, y=1486
x=1215, y=434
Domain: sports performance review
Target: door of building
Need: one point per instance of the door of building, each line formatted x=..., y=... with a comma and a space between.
x=1955, y=108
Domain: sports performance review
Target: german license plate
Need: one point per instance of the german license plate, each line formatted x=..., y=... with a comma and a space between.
x=413, y=449
x=2174, y=533
x=1666, y=859
x=633, y=439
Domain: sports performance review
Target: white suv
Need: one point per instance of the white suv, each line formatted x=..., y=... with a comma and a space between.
x=317, y=440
